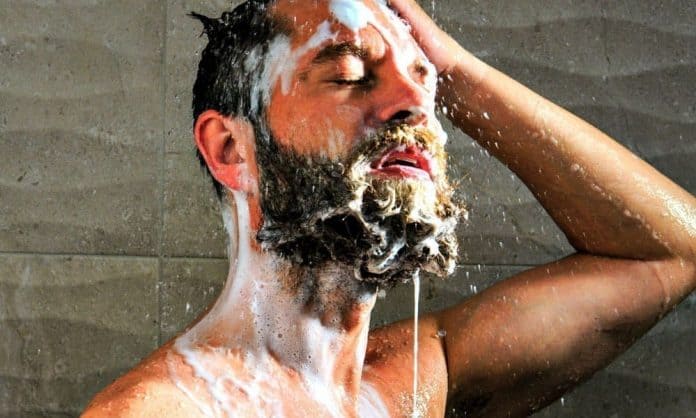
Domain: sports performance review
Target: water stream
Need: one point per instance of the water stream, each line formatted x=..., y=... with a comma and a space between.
x=416, y=298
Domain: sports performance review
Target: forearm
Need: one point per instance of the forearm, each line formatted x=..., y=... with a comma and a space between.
x=606, y=200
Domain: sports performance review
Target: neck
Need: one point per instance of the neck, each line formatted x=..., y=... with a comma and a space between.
x=309, y=321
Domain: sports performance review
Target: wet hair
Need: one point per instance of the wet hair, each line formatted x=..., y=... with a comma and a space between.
x=225, y=78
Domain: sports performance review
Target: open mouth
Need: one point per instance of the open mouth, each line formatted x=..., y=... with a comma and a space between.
x=404, y=162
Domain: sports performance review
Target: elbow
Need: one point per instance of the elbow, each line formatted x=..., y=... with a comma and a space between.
x=676, y=279
x=688, y=265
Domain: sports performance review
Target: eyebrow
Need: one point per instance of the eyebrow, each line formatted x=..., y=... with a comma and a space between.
x=332, y=53
x=342, y=49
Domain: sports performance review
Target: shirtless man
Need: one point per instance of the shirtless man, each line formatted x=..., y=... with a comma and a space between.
x=316, y=120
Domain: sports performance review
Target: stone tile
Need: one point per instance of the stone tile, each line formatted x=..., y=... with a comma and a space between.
x=69, y=326
x=560, y=84
x=652, y=72
x=80, y=136
x=675, y=16
x=506, y=13
x=188, y=287
x=564, y=35
x=651, y=78
x=633, y=47
x=192, y=224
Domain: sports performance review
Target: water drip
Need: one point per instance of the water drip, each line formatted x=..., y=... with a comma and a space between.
x=416, y=298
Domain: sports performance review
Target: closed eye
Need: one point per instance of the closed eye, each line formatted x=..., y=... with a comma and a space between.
x=351, y=82
x=365, y=81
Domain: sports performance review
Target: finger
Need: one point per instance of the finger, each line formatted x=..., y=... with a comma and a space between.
x=436, y=44
x=413, y=13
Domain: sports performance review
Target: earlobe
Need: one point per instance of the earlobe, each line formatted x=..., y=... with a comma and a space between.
x=227, y=146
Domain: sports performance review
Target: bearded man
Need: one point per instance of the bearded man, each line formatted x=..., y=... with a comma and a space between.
x=316, y=120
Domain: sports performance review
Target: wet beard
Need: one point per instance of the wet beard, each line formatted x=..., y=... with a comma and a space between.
x=317, y=210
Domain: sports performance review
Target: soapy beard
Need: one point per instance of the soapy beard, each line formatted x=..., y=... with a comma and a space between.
x=318, y=210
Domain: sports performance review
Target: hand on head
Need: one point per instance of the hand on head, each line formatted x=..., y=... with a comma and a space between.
x=441, y=49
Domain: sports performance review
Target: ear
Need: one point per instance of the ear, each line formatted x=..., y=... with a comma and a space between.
x=227, y=145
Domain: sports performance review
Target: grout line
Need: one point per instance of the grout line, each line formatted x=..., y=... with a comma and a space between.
x=204, y=258
x=163, y=171
x=484, y=265
x=77, y=255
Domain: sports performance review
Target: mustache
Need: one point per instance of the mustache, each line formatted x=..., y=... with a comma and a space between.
x=315, y=181
x=396, y=135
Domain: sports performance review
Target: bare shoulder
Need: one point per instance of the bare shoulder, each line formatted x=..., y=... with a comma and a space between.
x=147, y=399
x=145, y=391
x=388, y=368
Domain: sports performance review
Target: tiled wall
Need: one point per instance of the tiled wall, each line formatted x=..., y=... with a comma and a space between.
x=109, y=237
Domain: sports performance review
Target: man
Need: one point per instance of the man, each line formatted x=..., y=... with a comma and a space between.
x=316, y=120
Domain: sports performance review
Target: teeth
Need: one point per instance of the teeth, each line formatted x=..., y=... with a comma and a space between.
x=409, y=161
x=402, y=161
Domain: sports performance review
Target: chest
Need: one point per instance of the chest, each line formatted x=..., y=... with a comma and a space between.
x=222, y=388
x=289, y=398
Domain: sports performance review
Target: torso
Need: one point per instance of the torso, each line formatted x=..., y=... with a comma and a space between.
x=165, y=385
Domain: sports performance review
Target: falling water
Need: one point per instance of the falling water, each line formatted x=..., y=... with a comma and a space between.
x=416, y=297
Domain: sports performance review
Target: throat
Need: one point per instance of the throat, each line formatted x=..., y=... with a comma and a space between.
x=273, y=316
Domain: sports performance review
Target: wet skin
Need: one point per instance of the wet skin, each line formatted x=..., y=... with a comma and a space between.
x=507, y=351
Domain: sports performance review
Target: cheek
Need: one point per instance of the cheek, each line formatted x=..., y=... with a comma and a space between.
x=350, y=120
x=321, y=129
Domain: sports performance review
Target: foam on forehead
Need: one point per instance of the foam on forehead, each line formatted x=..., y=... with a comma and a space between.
x=281, y=59
x=352, y=14
x=355, y=15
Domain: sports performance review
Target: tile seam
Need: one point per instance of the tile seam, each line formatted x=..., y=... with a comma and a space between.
x=162, y=165
x=157, y=257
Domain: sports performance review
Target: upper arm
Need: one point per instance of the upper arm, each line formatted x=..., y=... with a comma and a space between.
x=389, y=366
x=525, y=341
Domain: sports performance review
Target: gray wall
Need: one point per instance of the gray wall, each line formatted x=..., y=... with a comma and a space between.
x=109, y=237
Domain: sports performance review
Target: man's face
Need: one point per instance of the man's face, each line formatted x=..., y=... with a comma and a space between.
x=351, y=84
x=353, y=168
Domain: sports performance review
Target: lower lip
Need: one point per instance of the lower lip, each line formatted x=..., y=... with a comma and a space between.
x=401, y=172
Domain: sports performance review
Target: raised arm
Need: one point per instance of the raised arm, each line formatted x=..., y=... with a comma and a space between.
x=522, y=343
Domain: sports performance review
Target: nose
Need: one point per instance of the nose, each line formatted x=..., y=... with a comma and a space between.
x=401, y=100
